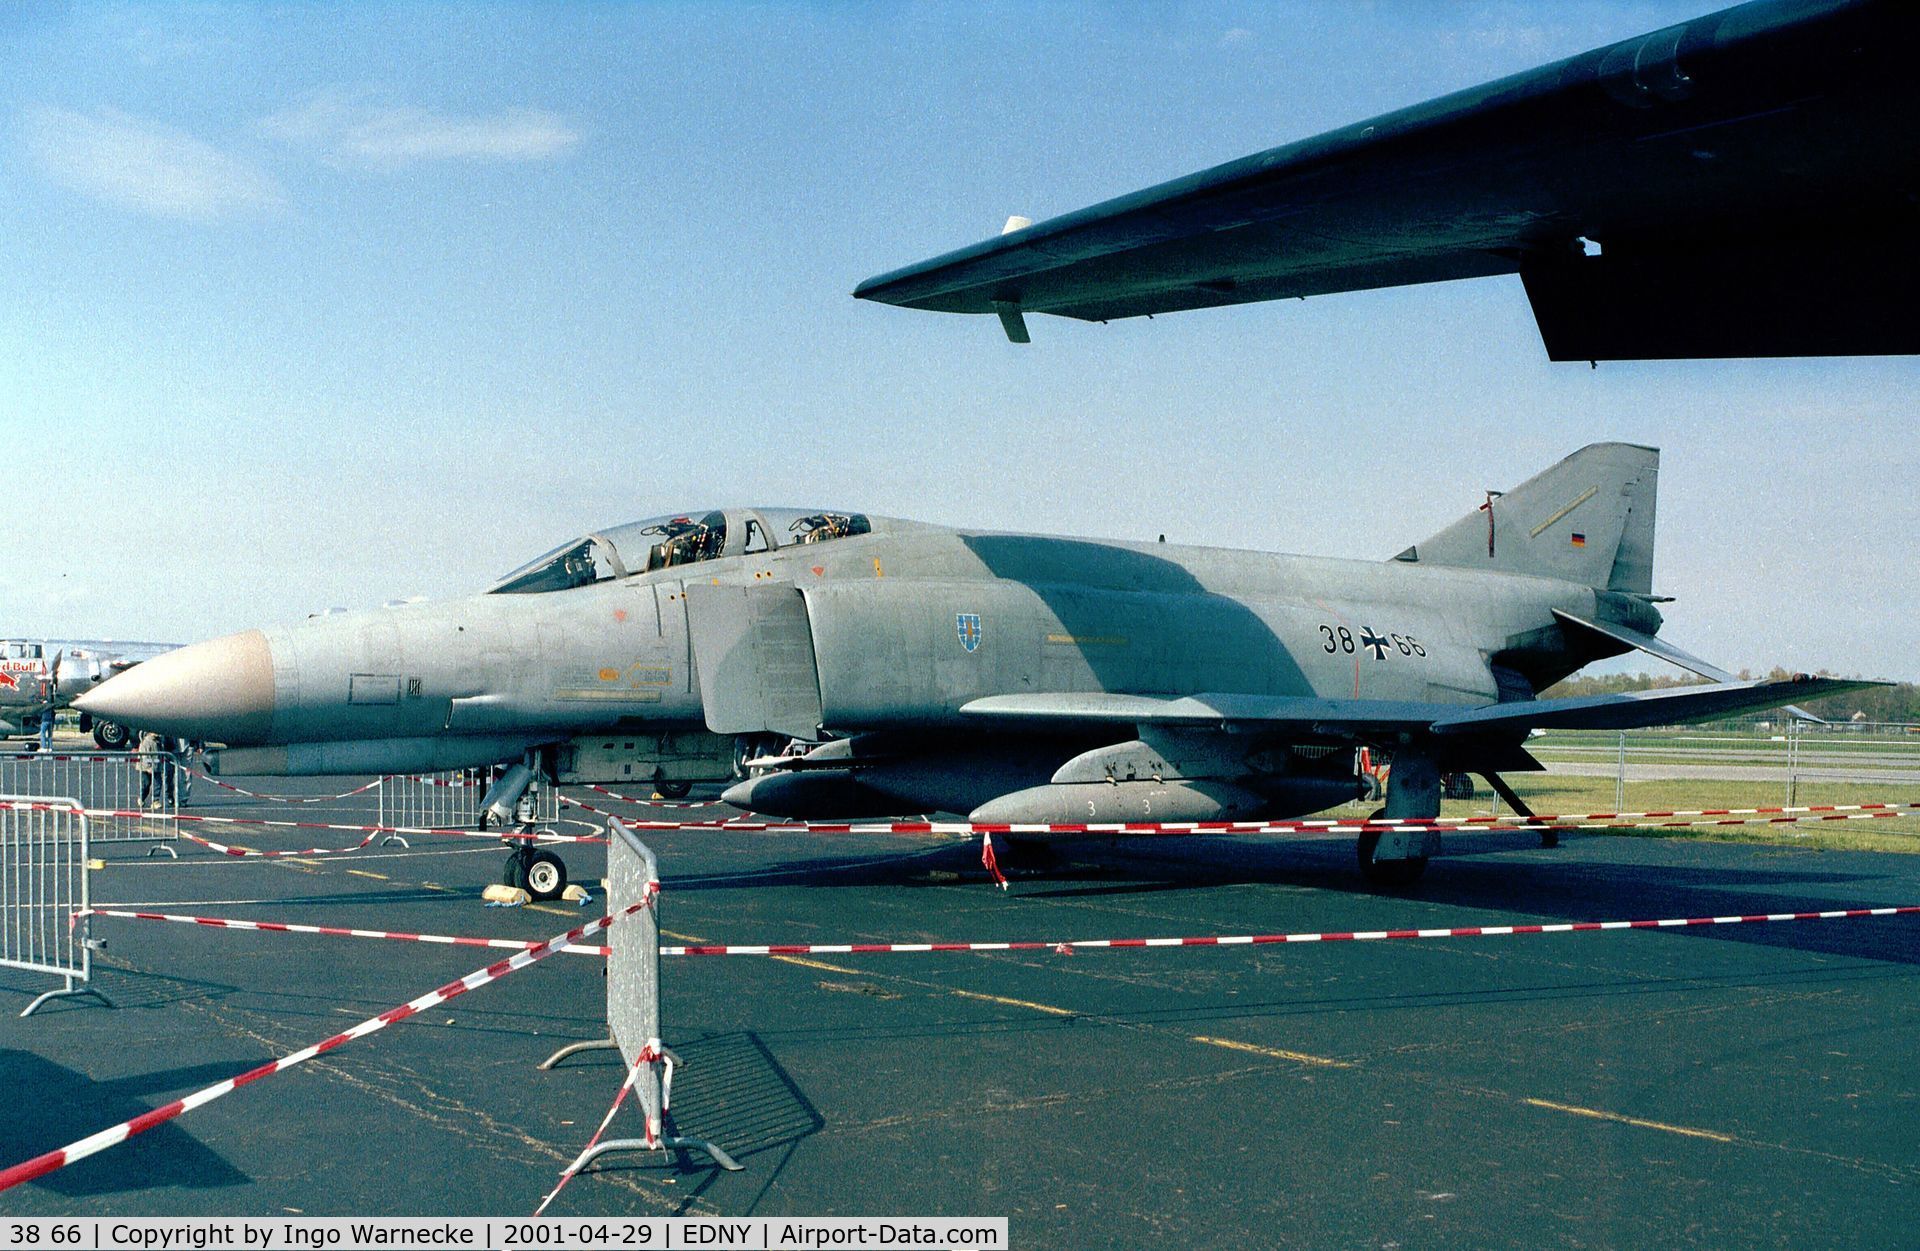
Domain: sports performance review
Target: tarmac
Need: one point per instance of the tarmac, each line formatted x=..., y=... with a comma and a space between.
x=1749, y=1085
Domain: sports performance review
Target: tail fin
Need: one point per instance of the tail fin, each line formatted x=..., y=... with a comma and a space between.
x=1588, y=519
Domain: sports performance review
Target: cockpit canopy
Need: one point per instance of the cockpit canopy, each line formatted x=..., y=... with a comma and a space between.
x=684, y=539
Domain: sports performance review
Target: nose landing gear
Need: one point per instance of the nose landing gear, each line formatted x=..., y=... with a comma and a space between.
x=541, y=874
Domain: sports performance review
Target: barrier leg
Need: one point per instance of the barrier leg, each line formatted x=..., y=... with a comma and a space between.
x=63, y=991
x=719, y=1157
x=574, y=1049
x=157, y=848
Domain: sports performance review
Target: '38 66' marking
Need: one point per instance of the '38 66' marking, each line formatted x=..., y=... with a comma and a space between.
x=1341, y=639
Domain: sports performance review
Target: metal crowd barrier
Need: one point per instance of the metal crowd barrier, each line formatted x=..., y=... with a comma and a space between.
x=633, y=1002
x=43, y=884
x=451, y=800
x=147, y=786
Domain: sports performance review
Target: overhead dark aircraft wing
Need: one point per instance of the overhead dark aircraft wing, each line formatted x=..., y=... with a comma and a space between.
x=1748, y=177
x=1362, y=718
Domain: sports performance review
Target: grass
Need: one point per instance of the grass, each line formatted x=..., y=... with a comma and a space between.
x=1554, y=793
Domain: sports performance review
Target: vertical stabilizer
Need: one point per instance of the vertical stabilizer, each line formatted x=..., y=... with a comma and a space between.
x=1588, y=519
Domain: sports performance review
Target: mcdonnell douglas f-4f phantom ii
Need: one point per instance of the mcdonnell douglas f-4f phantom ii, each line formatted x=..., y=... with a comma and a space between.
x=1742, y=184
x=1012, y=677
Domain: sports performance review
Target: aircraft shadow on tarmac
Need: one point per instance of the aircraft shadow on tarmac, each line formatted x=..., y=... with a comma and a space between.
x=68, y=1105
x=1636, y=882
x=729, y=1090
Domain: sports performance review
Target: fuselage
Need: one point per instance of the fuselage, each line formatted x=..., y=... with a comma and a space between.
x=907, y=623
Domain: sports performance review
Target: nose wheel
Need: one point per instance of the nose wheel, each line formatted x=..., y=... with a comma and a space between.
x=541, y=874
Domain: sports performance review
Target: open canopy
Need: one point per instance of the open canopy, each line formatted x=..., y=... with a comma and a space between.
x=676, y=539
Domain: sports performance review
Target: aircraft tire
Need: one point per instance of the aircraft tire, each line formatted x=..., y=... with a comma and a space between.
x=673, y=790
x=111, y=736
x=546, y=875
x=1388, y=874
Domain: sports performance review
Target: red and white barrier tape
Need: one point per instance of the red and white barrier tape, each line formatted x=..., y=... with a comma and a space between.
x=226, y=850
x=1702, y=818
x=653, y=1053
x=538, y=836
x=331, y=931
x=655, y=803
x=1062, y=946
x=41, y=1165
x=286, y=799
x=584, y=806
x=1500, y=824
x=1037, y=944
x=991, y=862
x=1261, y=940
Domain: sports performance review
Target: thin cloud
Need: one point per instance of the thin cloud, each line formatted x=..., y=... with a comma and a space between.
x=359, y=129
x=141, y=164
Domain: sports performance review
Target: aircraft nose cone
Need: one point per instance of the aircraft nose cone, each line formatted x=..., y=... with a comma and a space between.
x=220, y=691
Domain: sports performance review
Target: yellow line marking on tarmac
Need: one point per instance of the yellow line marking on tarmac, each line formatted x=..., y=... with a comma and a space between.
x=300, y=860
x=378, y=877
x=445, y=890
x=559, y=912
x=1598, y=1115
x=814, y=964
x=1277, y=1053
x=1017, y=1003
x=685, y=938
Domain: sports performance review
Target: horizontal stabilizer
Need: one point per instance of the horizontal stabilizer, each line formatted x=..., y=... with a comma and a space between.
x=1662, y=650
x=1647, y=643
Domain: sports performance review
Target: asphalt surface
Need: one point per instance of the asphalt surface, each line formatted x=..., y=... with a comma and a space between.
x=1748, y=1085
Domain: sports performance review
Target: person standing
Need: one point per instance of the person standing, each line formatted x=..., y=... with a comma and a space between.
x=46, y=729
x=147, y=761
x=184, y=753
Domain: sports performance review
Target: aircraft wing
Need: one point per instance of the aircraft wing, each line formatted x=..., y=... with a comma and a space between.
x=1306, y=715
x=1673, y=706
x=1363, y=718
x=1745, y=175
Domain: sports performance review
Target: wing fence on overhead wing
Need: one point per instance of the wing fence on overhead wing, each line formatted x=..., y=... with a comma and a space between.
x=1746, y=174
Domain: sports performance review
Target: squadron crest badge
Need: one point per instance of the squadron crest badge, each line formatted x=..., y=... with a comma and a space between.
x=967, y=625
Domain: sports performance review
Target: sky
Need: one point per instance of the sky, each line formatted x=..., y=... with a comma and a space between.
x=315, y=306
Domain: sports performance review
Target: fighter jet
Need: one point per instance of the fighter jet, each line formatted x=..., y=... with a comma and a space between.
x=38, y=676
x=1012, y=677
x=1742, y=184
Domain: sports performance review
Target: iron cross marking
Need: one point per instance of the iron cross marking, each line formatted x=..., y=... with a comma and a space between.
x=1369, y=639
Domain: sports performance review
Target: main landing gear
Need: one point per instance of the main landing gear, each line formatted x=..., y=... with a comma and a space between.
x=1392, y=859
